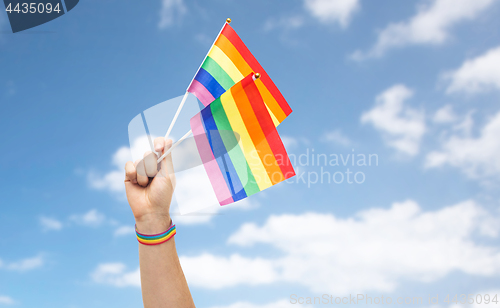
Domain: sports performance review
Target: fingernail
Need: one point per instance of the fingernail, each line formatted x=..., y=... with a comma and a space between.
x=158, y=148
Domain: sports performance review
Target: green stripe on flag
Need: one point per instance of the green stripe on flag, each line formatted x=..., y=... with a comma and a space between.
x=218, y=73
x=237, y=157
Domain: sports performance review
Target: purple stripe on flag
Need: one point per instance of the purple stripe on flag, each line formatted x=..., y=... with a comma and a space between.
x=201, y=93
x=207, y=157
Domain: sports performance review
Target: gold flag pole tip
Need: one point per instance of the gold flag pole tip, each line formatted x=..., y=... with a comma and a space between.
x=257, y=75
x=228, y=20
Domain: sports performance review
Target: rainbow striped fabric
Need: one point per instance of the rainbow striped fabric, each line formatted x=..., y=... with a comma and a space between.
x=238, y=143
x=227, y=63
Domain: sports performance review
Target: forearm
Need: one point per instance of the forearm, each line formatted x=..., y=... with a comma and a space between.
x=162, y=278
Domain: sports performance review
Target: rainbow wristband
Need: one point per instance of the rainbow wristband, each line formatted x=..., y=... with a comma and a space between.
x=156, y=239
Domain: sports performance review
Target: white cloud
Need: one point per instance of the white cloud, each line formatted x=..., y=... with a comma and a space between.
x=466, y=125
x=402, y=126
x=293, y=143
x=328, y=11
x=217, y=272
x=115, y=274
x=337, y=137
x=171, y=12
x=476, y=75
x=23, y=265
x=430, y=26
x=445, y=115
x=477, y=157
x=5, y=300
x=92, y=218
x=404, y=243
x=325, y=11
x=375, y=250
x=284, y=303
x=244, y=204
x=49, y=224
x=11, y=88
x=484, y=302
x=124, y=230
x=112, y=181
x=206, y=215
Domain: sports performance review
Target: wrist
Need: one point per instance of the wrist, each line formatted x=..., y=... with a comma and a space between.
x=153, y=223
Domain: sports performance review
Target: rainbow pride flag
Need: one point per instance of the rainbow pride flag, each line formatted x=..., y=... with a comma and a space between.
x=238, y=143
x=227, y=63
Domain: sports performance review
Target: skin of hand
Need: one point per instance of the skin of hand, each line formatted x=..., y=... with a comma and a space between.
x=149, y=198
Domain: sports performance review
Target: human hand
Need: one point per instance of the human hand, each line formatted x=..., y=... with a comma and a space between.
x=148, y=198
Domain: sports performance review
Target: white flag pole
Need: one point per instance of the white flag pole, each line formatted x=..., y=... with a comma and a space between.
x=186, y=95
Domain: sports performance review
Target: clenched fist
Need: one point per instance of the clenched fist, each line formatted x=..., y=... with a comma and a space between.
x=149, y=190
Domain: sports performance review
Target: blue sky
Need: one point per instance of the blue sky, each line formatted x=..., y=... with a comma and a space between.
x=415, y=83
